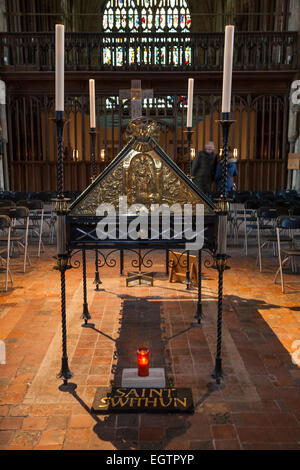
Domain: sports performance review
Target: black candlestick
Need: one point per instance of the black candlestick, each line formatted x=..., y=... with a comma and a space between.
x=187, y=273
x=61, y=210
x=85, y=314
x=199, y=313
x=97, y=280
x=93, y=152
x=189, y=133
x=221, y=256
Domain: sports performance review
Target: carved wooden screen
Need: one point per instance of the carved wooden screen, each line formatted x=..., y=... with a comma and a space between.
x=259, y=136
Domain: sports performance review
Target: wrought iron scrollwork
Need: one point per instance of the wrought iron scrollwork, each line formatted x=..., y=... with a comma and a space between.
x=73, y=264
x=105, y=260
x=210, y=262
x=173, y=263
x=142, y=260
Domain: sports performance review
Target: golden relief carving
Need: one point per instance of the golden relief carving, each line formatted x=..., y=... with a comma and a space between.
x=145, y=179
x=142, y=181
x=144, y=130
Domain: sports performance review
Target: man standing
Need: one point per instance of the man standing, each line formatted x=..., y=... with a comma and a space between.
x=204, y=167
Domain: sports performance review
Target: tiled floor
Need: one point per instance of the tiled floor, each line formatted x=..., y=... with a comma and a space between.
x=258, y=407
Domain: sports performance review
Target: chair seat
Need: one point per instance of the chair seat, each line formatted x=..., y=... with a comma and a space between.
x=23, y=227
x=291, y=252
x=13, y=238
x=266, y=227
x=273, y=238
x=263, y=227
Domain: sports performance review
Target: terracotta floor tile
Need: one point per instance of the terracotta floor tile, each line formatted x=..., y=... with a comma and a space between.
x=150, y=433
x=50, y=447
x=179, y=444
x=51, y=437
x=10, y=423
x=227, y=444
x=5, y=437
x=223, y=431
x=24, y=439
x=4, y=410
x=81, y=421
x=33, y=423
x=57, y=422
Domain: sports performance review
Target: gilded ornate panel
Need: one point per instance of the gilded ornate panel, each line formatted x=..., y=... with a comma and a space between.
x=145, y=178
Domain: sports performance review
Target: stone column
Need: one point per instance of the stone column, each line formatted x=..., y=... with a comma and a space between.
x=296, y=173
x=293, y=132
x=294, y=18
x=4, y=178
x=3, y=23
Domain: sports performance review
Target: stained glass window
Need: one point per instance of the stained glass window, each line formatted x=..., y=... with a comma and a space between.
x=147, y=16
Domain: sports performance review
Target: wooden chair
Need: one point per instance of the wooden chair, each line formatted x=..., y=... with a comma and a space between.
x=20, y=221
x=289, y=223
x=5, y=226
x=36, y=219
x=266, y=218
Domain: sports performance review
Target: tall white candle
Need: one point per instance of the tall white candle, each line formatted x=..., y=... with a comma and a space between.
x=59, y=66
x=227, y=69
x=92, y=104
x=189, y=121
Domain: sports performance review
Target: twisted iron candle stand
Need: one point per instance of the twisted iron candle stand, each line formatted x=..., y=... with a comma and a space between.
x=199, y=314
x=221, y=256
x=189, y=132
x=85, y=315
x=97, y=280
x=61, y=210
x=187, y=273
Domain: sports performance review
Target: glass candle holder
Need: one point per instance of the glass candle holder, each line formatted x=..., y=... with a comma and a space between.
x=143, y=361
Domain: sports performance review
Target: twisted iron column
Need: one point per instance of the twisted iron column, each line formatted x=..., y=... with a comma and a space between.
x=221, y=256
x=199, y=314
x=121, y=262
x=61, y=210
x=97, y=280
x=65, y=372
x=187, y=273
x=85, y=315
x=189, y=133
x=218, y=372
x=167, y=261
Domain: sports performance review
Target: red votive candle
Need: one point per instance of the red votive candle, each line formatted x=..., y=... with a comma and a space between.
x=143, y=361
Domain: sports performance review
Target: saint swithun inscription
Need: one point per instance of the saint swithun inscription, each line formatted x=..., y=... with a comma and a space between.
x=137, y=400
